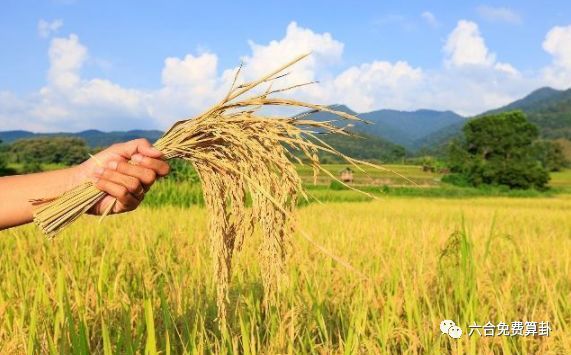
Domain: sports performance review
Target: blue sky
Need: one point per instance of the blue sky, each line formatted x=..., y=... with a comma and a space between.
x=72, y=65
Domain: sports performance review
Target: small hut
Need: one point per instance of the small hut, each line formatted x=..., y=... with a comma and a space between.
x=428, y=168
x=346, y=175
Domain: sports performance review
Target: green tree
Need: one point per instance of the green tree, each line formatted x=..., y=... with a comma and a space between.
x=3, y=160
x=31, y=167
x=361, y=146
x=550, y=154
x=4, y=168
x=499, y=150
x=50, y=150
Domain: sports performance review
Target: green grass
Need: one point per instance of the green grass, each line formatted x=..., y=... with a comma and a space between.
x=45, y=167
x=561, y=179
x=379, y=183
x=372, y=176
x=371, y=179
x=183, y=194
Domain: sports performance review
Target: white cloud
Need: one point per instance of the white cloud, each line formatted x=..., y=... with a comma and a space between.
x=473, y=80
x=506, y=68
x=67, y=56
x=325, y=51
x=430, y=19
x=191, y=71
x=470, y=81
x=499, y=14
x=46, y=28
x=68, y=102
x=558, y=43
x=376, y=84
x=471, y=90
x=190, y=85
x=194, y=82
x=466, y=46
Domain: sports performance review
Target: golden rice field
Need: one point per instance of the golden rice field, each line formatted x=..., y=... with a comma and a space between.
x=141, y=282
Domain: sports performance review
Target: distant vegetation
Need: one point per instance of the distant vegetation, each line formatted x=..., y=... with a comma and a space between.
x=502, y=149
x=56, y=150
x=364, y=147
x=550, y=154
x=4, y=169
x=32, y=152
x=93, y=138
x=547, y=108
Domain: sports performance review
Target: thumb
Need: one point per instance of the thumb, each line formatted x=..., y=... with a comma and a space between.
x=149, y=151
x=141, y=146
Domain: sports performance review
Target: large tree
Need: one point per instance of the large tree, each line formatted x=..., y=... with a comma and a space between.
x=499, y=150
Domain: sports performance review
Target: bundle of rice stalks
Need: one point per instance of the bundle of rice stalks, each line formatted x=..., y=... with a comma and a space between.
x=236, y=151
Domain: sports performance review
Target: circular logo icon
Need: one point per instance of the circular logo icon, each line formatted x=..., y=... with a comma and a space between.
x=448, y=326
x=445, y=325
x=455, y=332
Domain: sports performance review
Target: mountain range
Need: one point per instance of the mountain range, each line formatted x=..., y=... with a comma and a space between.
x=405, y=128
x=429, y=130
x=386, y=130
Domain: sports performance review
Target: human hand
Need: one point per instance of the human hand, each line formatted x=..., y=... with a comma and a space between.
x=124, y=182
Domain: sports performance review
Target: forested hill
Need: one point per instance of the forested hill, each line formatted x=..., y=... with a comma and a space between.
x=93, y=138
x=406, y=128
x=547, y=108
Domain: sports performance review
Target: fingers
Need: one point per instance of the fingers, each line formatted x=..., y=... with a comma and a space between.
x=146, y=176
x=131, y=183
x=149, y=151
x=160, y=167
x=121, y=193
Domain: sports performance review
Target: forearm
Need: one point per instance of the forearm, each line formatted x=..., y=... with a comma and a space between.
x=16, y=192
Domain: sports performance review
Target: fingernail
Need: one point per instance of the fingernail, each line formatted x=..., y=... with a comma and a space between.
x=98, y=171
x=113, y=165
x=137, y=158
